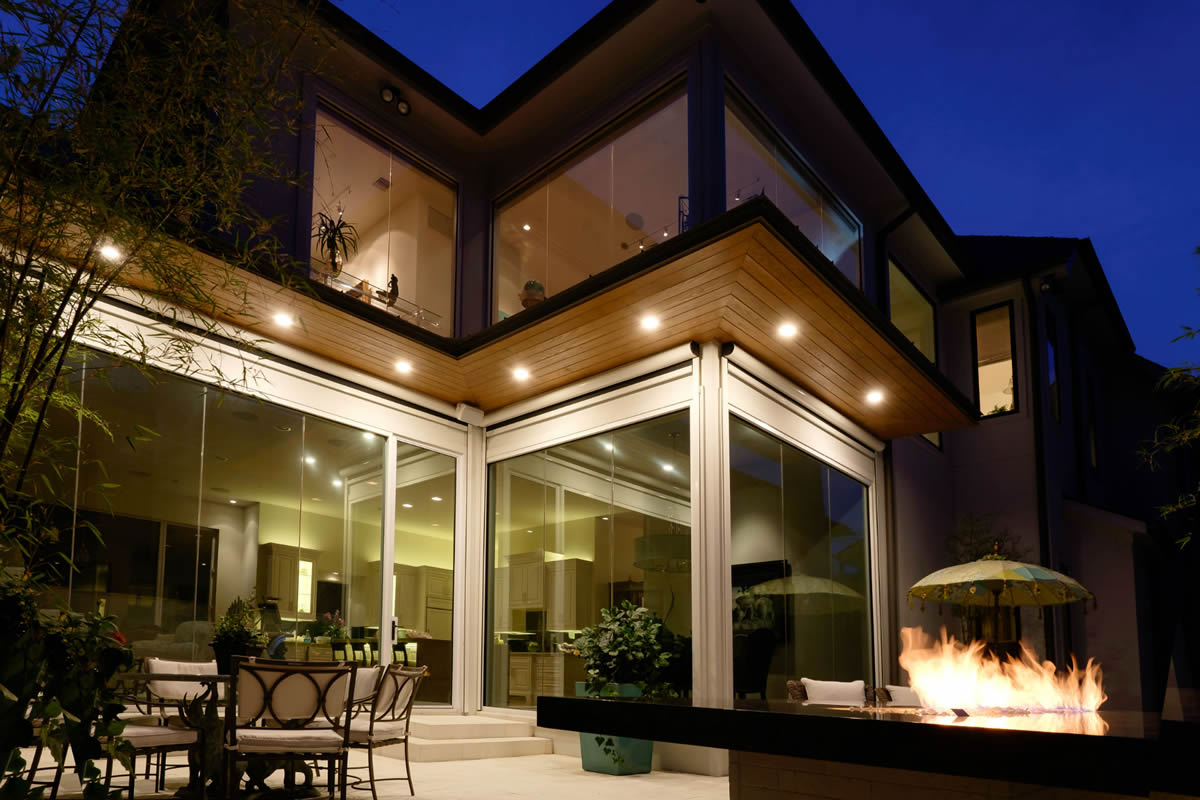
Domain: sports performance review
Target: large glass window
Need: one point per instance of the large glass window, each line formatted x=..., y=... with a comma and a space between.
x=995, y=378
x=758, y=163
x=798, y=549
x=403, y=219
x=620, y=198
x=200, y=496
x=911, y=312
x=575, y=529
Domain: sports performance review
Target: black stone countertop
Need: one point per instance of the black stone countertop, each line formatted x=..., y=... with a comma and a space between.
x=1137, y=754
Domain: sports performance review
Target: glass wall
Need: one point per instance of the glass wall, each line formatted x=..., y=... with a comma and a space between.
x=403, y=219
x=200, y=496
x=577, y=528
x=994, y=375
x=911, y=312
x=619, y=198
x=799, y=558
x=758, y=163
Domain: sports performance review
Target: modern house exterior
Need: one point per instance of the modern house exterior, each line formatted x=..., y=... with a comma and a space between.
x=666, y=321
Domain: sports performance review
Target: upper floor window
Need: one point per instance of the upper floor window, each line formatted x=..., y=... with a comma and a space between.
x=912, y=312
x=759, y=163
x=399, y=221
x=619, y=197
x=995, y=376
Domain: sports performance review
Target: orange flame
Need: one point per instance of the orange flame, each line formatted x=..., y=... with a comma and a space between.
x=948, y=674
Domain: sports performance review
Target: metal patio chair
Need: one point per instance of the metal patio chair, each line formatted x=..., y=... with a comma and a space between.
x=388, y=719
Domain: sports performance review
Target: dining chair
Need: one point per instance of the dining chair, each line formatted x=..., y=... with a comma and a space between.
x=387, y=721
x=289, y=710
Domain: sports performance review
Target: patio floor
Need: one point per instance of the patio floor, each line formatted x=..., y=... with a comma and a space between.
x=552, y=777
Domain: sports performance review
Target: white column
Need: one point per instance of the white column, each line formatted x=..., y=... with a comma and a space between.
x=387, y=552
x=470, y=573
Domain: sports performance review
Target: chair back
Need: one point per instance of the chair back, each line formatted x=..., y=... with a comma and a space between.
x=291, y=694
x=366, y=682
x=160, y=691
x=397, y=690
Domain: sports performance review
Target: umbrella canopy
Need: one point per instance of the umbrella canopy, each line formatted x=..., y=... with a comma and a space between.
x=998, y=582
x=817, y=595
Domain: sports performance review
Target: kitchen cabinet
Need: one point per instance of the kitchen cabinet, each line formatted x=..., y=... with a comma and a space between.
x=525, y=580
x=568, y=594
x=550, y=674
x=288, y=576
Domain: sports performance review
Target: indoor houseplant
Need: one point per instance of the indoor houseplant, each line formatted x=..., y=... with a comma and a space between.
x=236, y=634
x=328, y=626
x=336, y=238
x=627, y=654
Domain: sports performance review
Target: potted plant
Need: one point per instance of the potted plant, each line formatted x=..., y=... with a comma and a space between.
x=236, y=634
x=328, y=626
x=628, y=654
x=336, y=238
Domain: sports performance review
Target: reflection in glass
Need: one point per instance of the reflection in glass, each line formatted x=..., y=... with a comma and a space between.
x=404, y=219
x=757, y=163
x=618, y=199
x=799, y=567
x=577, y=528
x=994, y=364
x=911, y=312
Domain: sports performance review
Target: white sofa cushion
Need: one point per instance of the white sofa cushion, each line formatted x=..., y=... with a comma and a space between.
x=849, y=693
x=903, y=696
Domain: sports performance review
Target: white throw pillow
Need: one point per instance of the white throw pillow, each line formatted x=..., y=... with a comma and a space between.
x=850, y=693
x=903, y=696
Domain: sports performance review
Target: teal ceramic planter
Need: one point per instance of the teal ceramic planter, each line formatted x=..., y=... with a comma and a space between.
x=614, y=755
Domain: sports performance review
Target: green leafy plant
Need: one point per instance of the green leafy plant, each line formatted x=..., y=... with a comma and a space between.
x=629, y=645
x=336, y=238
x=239, y=627
x=978, y=536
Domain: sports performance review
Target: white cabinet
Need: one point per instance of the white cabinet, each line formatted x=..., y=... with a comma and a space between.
x=568, y=594
x=287, y=575
x=525, y=580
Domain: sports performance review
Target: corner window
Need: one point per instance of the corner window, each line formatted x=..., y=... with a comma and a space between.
x=995, y=377
x=620, y=197
x=912, y=312
x=396, y=248
x=758, y=163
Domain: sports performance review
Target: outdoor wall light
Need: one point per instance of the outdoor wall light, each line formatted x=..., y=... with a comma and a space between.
x=391, y=95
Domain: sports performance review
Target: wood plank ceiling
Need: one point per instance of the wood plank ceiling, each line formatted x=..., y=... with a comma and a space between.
x=737, y=288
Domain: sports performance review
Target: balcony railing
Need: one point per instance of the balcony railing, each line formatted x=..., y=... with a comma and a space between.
x=361, y=289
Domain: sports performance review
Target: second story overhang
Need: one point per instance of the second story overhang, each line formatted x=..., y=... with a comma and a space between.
x=737, y=278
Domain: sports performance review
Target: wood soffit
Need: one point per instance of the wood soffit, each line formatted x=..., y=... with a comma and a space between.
x=736, y=279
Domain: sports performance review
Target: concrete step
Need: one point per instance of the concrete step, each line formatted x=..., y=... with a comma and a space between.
x=474, y=726
x=424, y=750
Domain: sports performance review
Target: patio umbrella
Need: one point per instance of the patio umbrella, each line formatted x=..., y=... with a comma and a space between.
x=817, y=595
x=993, y=581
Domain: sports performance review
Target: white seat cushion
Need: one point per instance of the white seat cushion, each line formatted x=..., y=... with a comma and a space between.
x=278, y=740
x=849, y=693
x=141, y=736
x=903, y=696
x=384, y=731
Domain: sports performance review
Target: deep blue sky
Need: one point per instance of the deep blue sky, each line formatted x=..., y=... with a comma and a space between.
x=1054, y=118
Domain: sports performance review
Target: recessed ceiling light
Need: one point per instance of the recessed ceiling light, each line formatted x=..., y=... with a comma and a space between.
x=309, y=460
x=527, y=530
x=316, y=499
x=436, y=525
x=436, y=499
x=372, y=483
x=874, y=397
x=608, y=446
x=641, y=247
x=337, y=482
x=407, y=505
x=664, y=233
x=649, y=322
x=368, y=435
x=604, y=518
x=521, y=374
x=526, y=227
x=668, y=468
x=787, y=330
x=283, y=319
x=109, y=252
x=404, y=367
x=233, y=502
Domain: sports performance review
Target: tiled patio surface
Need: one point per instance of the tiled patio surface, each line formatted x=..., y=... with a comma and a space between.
x=546, y=777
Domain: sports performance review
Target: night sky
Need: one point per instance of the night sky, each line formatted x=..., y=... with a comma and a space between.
x=1053, y=118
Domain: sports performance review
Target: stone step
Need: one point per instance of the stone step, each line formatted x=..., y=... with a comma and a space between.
x=474, y=726
x=425, y=750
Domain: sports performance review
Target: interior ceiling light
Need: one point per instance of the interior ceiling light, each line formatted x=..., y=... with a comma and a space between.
x=668, y=468
x=233, y=502
x=337, y=483
x=406, y=505
x=404, y=367
x=110, y=253
x=521, y=374
x=284, y=320
x=436, y=499
x=309, y=460
x=787, y=330
x=604, y=518
x=526, y=227
x=874, y=397
x=608, y=446
x=368, y=435
x=650, y=322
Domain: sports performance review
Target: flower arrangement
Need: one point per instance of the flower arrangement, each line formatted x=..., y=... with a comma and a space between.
x=629, y=645
x=329, y=624
x=239, y=627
